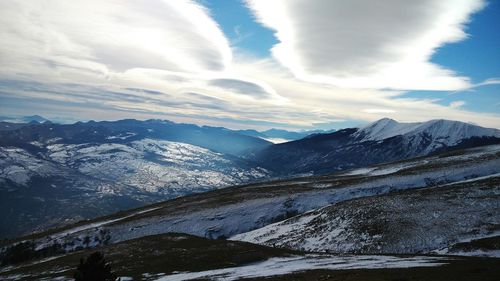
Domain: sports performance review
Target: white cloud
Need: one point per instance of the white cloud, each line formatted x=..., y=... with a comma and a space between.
x=489, y=81
x=457, y=104
x=103, y=37
x=378, y=110
x=367, y=44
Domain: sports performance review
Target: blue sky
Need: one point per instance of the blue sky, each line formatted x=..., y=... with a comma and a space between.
x=241, y=28
x=252, y=64
x=477, y=57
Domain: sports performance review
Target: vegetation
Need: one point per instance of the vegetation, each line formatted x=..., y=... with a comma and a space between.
x=25, y=251
x=94, y=268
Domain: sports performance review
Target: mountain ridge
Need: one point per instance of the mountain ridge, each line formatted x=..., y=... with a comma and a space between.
x=382, y=141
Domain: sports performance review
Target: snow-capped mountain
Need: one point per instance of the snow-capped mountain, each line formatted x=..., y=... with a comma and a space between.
x=438, y=133
x=385, y=140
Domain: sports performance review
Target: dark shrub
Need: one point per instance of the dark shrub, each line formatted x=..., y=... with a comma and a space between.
x=94, y=268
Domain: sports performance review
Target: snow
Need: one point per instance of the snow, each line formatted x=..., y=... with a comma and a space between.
x=379, y=171
x=477, y=253
x=442, y=132
x=447, y=214
x=93, y=225
x=386, y=128
x=122, y=136
x=18, y=165
x=282, y=266
x=155, y=166
x=360, y=171
x=474, y=179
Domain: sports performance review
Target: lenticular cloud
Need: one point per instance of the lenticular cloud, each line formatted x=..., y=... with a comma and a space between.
x=363, y=43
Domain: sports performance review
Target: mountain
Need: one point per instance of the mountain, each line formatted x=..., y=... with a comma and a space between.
x=130, y=163
x=385, y=140
x=24, y=119
x=52, y=174
x=434, y=133
x=217, y=139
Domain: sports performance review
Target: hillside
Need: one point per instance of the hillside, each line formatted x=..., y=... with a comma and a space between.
x=230, y=211
x=57, y=174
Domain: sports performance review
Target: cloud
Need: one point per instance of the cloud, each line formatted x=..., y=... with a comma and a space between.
x=102, y=37
x=367, y=44
x=169, y=59
x=244, y=87
x=378, y=110
x=489, y=81
x=457, y=104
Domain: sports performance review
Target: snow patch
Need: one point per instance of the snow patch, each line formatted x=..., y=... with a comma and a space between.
x=282, y=266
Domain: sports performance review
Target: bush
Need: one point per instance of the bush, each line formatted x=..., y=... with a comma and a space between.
x=94, y=268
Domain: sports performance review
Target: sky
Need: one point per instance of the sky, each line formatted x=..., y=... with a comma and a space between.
x=291, y=64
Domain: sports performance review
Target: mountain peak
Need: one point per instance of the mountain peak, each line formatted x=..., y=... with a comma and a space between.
x=384, y=128
x=448, y=132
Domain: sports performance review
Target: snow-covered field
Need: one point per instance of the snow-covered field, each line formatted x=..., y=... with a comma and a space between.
x=282, y=266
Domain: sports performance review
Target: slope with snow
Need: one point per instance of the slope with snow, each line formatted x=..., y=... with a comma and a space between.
x=288, y=265
x=86, y=180
x=155, y=165
x=416, y=221
x=231, y=211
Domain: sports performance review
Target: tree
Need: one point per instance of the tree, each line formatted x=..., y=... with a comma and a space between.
x=94, y=268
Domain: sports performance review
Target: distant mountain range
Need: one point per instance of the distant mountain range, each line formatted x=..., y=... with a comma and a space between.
x=115, y=165
x=24, y=119
x=272, y=135
x=382, y=141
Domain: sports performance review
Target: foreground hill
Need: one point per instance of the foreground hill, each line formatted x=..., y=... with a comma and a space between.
x=438, y=219
x=177, y=256
x=383, y=141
